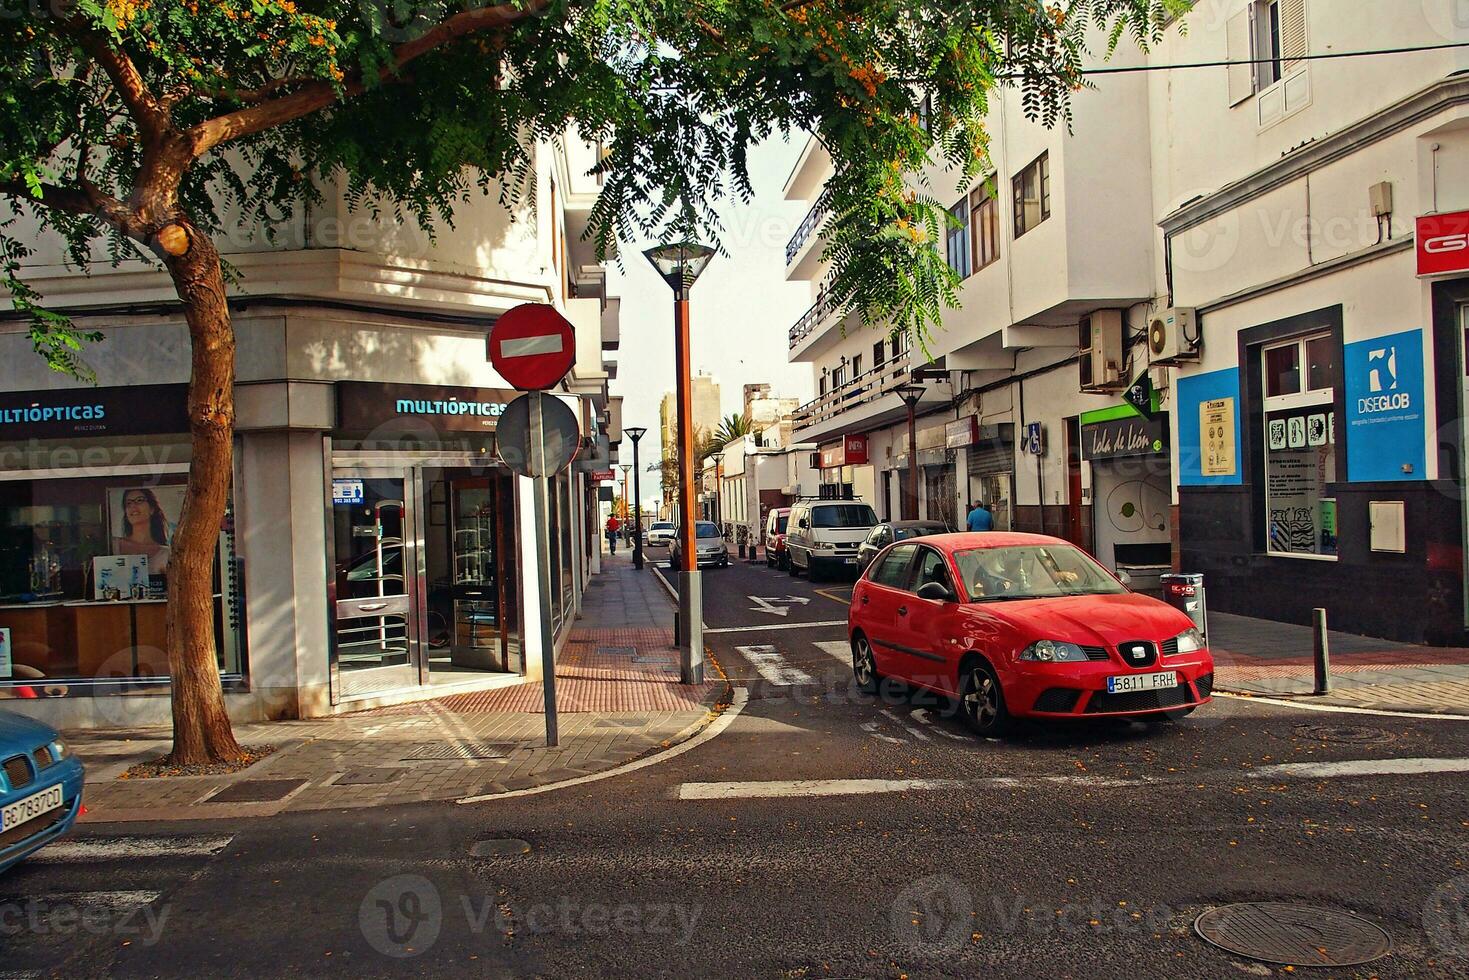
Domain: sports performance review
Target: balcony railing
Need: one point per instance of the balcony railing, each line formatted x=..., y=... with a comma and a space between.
x=809, y=224
x=866, y=387
x=812, y=319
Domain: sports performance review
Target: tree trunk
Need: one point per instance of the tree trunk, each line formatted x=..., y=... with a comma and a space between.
x=201, y=727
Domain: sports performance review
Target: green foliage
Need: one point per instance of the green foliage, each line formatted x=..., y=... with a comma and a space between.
x=417, y=104
x=734, y=426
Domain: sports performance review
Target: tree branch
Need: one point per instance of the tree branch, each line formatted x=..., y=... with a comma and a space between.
x=85, y=200
x=318, y=95
x=152, y=116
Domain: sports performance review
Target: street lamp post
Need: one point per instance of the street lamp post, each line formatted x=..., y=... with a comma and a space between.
x=626, y=469
x=636, y=433
x=911, y=393
x=680, y=264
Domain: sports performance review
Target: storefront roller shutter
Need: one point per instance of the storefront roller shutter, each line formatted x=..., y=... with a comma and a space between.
x=993, y=456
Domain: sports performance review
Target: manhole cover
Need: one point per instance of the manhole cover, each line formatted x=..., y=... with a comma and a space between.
x=504, y=847
x=1293, y=935
x=257, y=791
x=454, y=750
x=367, y=777
x=1348, y=734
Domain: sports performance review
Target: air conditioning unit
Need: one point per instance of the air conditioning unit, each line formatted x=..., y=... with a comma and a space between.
x=1103, y=358
x=1173, y=336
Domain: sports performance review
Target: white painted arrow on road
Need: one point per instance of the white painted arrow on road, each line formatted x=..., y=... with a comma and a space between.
x=764, y=603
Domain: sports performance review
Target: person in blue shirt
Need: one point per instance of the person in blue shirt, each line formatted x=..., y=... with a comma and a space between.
x=980, y=518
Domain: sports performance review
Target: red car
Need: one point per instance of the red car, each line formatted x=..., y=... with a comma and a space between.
x=1022, y=625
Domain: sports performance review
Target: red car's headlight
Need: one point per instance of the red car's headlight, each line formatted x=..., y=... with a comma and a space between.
x=1054, y=651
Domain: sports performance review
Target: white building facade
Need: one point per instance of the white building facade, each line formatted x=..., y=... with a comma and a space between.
x=376, y=551
x=1241, y=240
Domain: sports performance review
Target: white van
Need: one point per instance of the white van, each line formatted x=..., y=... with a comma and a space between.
x=822, y=536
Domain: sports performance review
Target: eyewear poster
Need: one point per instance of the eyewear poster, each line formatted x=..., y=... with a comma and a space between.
x=143, y=521
x=6, y=664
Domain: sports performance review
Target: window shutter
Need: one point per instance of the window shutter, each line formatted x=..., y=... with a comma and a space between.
x=1292, y=33
x=1239, y=51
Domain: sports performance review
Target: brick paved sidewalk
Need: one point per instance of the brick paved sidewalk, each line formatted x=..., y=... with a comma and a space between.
x=1261, y=657
x=618, y=699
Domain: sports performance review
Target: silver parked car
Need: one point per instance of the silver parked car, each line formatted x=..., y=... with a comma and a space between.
x=710, y=549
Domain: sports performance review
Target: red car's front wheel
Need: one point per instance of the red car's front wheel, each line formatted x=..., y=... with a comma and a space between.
x=982, y=701
x=864, y=666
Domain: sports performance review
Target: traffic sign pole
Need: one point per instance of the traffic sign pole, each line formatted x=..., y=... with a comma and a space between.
x=542, y=494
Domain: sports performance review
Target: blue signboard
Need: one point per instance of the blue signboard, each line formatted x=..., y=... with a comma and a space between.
x=1384, y=394
x=1209, y=414
x=347, y=491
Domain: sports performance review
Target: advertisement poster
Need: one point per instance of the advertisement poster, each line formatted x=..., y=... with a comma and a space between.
x=1385, y=417
x=142, y=521
x=6, y=663
x=1216, y=431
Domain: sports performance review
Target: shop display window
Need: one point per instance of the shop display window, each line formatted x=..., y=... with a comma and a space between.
x=84, y=565
x=1299, y=445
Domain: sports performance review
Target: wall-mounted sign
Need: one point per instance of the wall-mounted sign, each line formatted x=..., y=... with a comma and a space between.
x=599, y=476
x=1116, y=438
x=364, y=406
x=134, y=410
x=1035, y=439
x=1216, y=437
x=961, y=432
x=1384, y=382
x=851, y=451
x=1443, y=243
x=347, y=491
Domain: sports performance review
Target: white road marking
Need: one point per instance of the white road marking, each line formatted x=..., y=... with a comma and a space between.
x=890, y=716
x=772, y=626
x=840, y=649
x=118, y=848
x=110, y=903
x=925, y=718
x=772, y=666
x=1360, y=767
x=1339, y=708
x=767, y=604
x=809, y=787
x=871, y=729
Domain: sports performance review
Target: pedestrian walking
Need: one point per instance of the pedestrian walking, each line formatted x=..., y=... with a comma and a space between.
x=980, y=518
x=612, y=526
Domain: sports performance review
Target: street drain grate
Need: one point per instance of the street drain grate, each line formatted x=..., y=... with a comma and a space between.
x=368, y=777
x=617, y=651
x=1345, y=734
x=257, y=791
x=1293, y=935
x=455, y=750
x=652, y=660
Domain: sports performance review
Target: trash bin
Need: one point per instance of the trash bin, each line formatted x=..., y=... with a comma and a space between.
x=1185, y=592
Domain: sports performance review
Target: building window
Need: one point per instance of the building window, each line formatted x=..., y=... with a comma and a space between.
x=1300, y=378
x=877, y=354
x=1033, y=195
x=1264, y=43
x=984, y=225
x=857, y=366
x=958, y=239
x=899, y=343
x=838, y=377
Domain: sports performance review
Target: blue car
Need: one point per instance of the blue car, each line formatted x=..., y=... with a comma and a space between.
x=40, y=787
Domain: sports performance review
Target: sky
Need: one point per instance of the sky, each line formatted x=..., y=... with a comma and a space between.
x=739, y=312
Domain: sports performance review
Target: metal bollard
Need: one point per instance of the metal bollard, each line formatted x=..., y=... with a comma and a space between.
x=1321, y=649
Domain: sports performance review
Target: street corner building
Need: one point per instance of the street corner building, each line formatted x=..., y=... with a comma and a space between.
x=1244, y=357
x=375, y=549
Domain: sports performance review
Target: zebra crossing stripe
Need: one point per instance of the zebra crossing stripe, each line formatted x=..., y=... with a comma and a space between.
x=772, y=666
x=121, y=848
x=840, y=649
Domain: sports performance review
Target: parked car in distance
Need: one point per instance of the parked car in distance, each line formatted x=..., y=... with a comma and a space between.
x=1023, y=625
x=776, y=555
x=889, y=532
x=709, y=547
x=40, y=787
x=822, y=536
x=660, y=534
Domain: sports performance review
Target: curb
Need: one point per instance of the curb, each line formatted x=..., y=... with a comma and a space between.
x=1291, y=701
x=669, y=589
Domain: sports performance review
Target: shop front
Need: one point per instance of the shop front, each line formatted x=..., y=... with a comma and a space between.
x=989, y=466
x=1132, y=486
x=91, y=491
x=1305, y=474
x=845, y=473
x=423, y=541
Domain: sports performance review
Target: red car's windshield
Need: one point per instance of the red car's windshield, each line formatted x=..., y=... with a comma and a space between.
x=1032, y=572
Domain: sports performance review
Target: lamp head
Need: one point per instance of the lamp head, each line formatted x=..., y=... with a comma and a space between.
x=635, y=432
x=680, y=264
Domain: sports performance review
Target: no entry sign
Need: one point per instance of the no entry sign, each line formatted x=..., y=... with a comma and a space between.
x=531, y=346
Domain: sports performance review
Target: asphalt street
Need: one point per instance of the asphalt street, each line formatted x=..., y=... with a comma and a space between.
x=822, y=833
